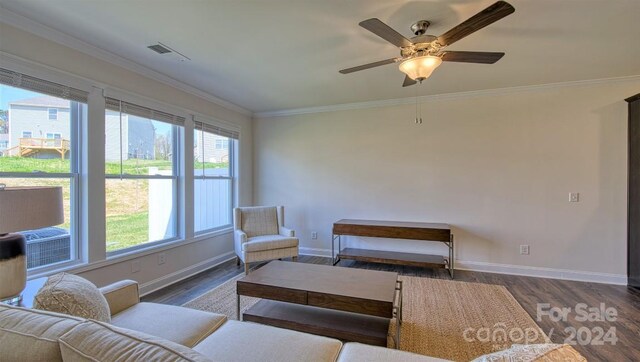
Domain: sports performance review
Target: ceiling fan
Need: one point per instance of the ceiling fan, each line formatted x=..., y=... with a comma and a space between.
x=423, y=53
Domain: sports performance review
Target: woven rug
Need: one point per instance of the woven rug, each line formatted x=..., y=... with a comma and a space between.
x=447, y=319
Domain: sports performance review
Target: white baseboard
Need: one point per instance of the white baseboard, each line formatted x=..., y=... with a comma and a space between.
x=315, y=252
x=540, y=272
x=179, y=275
x=529, y=271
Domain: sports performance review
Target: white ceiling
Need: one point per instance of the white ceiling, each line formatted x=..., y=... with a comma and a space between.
x=272, y=55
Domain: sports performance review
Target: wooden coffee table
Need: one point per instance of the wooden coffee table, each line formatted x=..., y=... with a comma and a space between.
x=353, y=305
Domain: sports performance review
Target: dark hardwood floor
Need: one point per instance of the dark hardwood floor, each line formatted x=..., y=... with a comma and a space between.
x=529, y=292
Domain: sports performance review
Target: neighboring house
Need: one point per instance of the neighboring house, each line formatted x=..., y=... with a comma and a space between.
x=216, y=148
x=40, y=118
x=48, y=118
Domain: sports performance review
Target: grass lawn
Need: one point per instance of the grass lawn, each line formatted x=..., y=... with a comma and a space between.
x=127, y=219
x=56, y=165
x=127, y=230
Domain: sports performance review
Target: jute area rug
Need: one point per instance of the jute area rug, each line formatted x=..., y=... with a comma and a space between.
x=447, y=319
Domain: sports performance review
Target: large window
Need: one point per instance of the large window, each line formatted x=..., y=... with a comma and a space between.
x=141, y=166
x=31, y=159
x=213, y=178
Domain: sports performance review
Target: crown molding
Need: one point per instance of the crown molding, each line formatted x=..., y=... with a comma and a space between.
x=23, y=23
x=438, y=97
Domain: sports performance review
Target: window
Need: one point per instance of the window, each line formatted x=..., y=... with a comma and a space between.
x=222, y=143
x=214, y=177
x=141, y=175
x=4, y=145
x=53, y=114
x=54, y=136
x=36, y=164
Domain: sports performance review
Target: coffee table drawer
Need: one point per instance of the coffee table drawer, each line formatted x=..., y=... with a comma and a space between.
x=350, y=304
x=271, y=292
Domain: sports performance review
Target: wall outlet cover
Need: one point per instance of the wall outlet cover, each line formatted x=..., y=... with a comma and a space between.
x=574, y=197
x=524, y=249
x=314, y=235
x=162, y=258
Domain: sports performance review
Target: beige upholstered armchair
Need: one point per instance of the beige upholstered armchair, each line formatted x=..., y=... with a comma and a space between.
x=260, y=235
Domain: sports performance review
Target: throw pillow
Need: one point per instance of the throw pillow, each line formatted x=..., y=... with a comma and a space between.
x=73, y=295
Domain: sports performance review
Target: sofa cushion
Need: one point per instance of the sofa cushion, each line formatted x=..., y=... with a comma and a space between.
x=356, y=352
x=72, y=295
x=534, y=352
x=269, y=242
x=243, y=341
x=97, y=341
x=32, y=335
x=181, y=325
x=261, y=220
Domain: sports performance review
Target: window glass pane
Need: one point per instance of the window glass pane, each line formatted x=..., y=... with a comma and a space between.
x=211, y=152
x=213, y=203
x=139, y=212
x=30, y=142
x=145, y=146
x=51, y=244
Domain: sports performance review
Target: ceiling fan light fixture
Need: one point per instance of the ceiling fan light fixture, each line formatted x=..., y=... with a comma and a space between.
x=420, y=68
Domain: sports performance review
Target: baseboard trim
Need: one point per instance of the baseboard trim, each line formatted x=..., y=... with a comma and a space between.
x=540, y=272
x=166, y=280
x=315, y=252
x=528, y=271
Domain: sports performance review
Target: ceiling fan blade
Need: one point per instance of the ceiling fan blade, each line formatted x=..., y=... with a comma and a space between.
x=471, y=57
x=384, y=31
x=487, y=16
x=408, y=81
x=370, y=65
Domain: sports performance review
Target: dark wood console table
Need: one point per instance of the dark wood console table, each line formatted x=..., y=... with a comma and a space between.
x=395, y=230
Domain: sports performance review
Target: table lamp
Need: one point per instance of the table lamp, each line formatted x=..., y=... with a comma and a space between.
x=23, y=208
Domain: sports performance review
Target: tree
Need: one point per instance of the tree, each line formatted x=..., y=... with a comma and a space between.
x=163, y=147
x=4, y=121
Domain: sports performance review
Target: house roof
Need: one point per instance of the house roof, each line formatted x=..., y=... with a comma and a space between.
x=42, y=101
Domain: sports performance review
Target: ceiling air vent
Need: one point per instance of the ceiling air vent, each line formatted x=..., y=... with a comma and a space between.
x=159, y=48
x=164, y=49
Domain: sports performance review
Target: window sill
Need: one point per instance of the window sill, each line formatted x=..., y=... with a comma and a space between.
x=134, y=254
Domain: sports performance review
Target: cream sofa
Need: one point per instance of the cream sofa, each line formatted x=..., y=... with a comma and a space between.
x=155, y=332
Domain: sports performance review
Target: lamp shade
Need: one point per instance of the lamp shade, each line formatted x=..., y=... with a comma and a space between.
x=420, y=67
x=28, y=208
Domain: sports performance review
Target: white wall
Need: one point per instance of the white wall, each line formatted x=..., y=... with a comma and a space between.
x=183, y=259
x=498, y=167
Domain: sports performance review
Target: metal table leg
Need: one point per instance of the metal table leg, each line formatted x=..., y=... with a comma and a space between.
x=238, y=308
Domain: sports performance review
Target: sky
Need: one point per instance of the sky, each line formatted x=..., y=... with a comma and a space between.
x=10, y=94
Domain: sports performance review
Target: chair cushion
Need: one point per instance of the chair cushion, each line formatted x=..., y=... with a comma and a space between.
x=181, y=325
x=256, y=221
x=32, y=335
x=356, y=352
x=95, y=341
x=269, y=242
x=72, y=295
x=243, y=341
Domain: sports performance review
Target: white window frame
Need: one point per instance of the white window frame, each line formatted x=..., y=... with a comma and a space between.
x=53, y=135
x=55, y=118
x=74, y=187
x=25, y=132
x=175, y=159
x=232, y=182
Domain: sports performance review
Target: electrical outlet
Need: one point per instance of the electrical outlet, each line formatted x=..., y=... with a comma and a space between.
x=162, y=258
x=314, y=235
x=524, y=249
x=574, y=197
x=135, y=266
